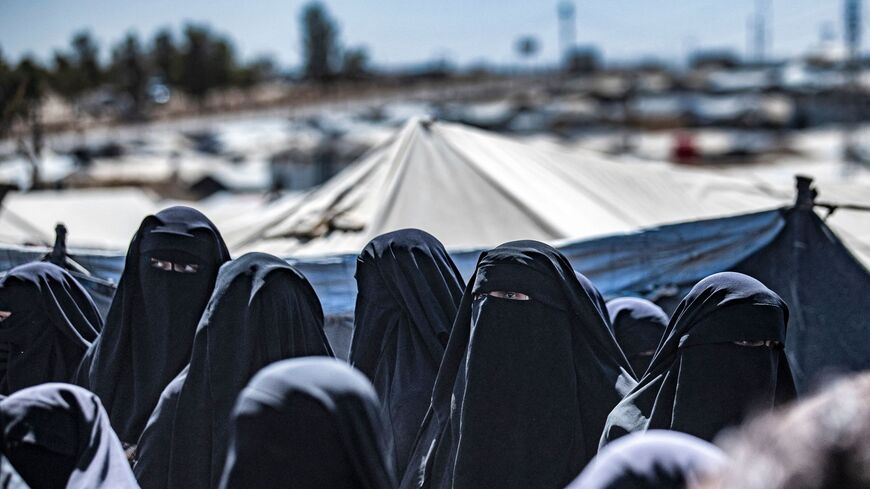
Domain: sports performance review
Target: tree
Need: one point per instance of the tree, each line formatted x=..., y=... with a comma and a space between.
x=320, y=43
x=86, y=55
x=208, y=62
x=129, y=72
x=354, y=63
x=259, y=70
x=527, y=46
x=77, y=71
x=22, y=90
x=194, y=78
x=165, y=57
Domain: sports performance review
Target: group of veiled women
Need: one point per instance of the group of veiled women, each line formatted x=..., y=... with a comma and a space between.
x=216, y=373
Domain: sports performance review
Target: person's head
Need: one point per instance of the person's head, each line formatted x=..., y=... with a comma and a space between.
x=821, y=442
x=169, y=274
x=405, y=277
x=655, y=459
x=313, y=421
x=727, y=337
x=47, y=322
x=721, y=360
x=58, y=435
x=638, y=326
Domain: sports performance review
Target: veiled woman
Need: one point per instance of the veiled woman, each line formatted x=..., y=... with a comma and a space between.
x=530, y=372
x=722, y=359
x=408, y=293
x=168, y=277
x=262, y=310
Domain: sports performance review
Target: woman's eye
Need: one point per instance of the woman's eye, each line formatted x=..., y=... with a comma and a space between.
x=161, y=264
x=169, y=266
x=757, y=343
x=510, y=295
x=185, y=268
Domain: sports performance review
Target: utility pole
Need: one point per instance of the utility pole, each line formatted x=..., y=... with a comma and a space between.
x=761, y=29
x=852, y=13
x=567, y=28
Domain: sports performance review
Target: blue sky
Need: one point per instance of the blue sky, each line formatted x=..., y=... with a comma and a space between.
x=400, y=32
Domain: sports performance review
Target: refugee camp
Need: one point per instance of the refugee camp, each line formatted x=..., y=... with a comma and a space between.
x=331, y=244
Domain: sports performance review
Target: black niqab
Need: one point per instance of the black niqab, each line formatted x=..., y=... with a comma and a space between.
x=638, y=326
x=408, y=293
x=262, y=310
x=525, y=385
x=657, y=459
x=308, y=423
x=59, y=436
x=152, y=320
x=700, y=381
x=53, y=323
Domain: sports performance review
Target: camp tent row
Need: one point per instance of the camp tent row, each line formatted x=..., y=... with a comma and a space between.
x=473, y=190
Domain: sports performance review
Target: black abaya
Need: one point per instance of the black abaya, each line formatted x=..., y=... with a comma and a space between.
x=700, y=380
x=308, y=423
x=525, y=385
x=262, y=310
x=408, y=293
x=59, y=436
x=638, y=326
x=53, y=323
x=152, y=320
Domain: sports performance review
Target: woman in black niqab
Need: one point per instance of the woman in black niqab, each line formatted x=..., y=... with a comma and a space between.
x=408, y=293
x=168, y=277
x=657, y=459
x=530, y=372
x=262, y=310
x=638, y=326
x=721, y=358
x=308, y=423
x=59, y=436
x=51, y=322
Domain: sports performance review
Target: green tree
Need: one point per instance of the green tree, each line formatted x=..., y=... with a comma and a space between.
x=320, y=43
x=194, y=71
x=22, y=91
x=129, y=73
x=86, y=56
x=208, y=62
x=354, y=64
x=165, y=57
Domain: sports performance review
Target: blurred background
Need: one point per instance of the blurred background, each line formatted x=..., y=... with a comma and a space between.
x=111, y=110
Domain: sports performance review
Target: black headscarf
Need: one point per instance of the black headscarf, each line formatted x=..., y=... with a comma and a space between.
x=53, y=323
x=638, y=326
x=308, y=423
x=408, y=293
x=152, y=320
x=58, y=435
x=657, y=459
x=262, y=310
x=525, y=385
x=699, y=381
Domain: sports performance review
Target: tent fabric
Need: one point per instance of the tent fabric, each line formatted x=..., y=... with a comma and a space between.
x=98, y=218
x=429, y=173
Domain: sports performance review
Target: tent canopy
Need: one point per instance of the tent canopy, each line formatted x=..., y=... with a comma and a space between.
x=472, y=188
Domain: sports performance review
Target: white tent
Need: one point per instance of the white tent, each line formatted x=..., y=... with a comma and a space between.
x=96, y=218
x=472, y=188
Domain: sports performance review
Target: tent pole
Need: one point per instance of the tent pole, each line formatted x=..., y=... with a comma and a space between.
x=806, y=194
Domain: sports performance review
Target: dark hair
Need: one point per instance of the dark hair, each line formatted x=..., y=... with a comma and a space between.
x=822, y=442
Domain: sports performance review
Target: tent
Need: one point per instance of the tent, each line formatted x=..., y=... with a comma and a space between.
x=97, y=218
x=472, y=188
x=791, y=249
